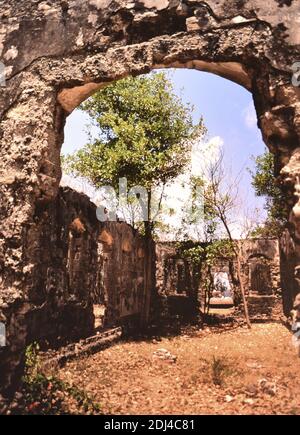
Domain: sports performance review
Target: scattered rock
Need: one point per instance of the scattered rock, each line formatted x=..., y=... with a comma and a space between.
x=252, y=391
x=267, y=387
x=165, y=355
x=228, y=398
x=254, y=365
x=248, y=401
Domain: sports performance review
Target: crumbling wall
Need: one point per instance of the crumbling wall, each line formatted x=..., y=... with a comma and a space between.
x=65, y=244
x=122, y=287
x=91, y=263
x=177, y=283
x=170, y=265
x=261, y=272
x=81, y=263
x=264, y=252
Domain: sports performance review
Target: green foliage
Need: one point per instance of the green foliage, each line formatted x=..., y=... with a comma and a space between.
x=206, y=255
x=145, y=133
x=32, y=362
x=220, y=370
x=208, y=252
x=263, y=178
x=219, y=249
x=265, y=186
x=195, y=254
x=48, y=395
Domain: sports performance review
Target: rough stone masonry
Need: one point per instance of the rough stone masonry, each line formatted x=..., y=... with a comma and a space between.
x=56, y=53
x=180, y=283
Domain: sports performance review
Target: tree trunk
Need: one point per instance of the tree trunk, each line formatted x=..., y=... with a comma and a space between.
x=148, y=267
x=245, y=304
x=208, y=290
x=239, y=273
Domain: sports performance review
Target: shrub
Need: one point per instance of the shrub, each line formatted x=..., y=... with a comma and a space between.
x=49, y=395
x=220, y=369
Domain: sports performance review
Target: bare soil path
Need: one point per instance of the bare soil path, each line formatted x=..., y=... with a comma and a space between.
x=233, y=372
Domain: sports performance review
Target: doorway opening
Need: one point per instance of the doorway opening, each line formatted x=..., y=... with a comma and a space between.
x=229, y=116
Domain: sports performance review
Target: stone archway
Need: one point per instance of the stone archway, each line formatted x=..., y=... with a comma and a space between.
x=57, y=53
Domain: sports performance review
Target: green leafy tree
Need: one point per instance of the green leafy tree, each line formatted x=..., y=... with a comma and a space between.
x=264, y=183
x=145, y=134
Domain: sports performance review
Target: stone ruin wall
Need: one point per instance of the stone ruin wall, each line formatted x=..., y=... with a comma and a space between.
x=173, y=271
x=267, y=251
x=82, y=264
x=56, y=53
x=178, y=295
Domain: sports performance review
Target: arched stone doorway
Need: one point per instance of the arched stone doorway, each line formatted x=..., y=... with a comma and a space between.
x=57, y=53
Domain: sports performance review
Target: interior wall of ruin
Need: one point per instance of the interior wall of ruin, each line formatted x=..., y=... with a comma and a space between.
x=177, y=282
x=80, y=263
x=93, y=263
x=180, y=283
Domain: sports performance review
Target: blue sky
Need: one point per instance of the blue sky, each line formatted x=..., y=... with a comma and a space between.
x=228, y=113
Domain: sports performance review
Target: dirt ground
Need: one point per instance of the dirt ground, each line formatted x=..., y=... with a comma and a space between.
x=198, y=372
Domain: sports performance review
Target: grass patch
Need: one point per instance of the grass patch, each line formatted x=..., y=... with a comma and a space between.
x=221, y=369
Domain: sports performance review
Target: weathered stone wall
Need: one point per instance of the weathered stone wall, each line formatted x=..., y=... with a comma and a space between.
x=123, y=284
x=80, y=263
x=177, y=283
x=261, y=272
x=180, y=284
x=263, y=252
x=289, y=269
x=57, y=52
x=85, y=262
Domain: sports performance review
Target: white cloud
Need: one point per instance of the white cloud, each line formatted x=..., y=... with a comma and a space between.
x=249, y=116
x=178, y=192
x=205, y=153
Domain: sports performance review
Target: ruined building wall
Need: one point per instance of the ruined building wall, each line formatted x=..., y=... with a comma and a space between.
x=177, y=282
x=180, y=283
x=56, y=53
x=261, y=272
x=82, y=263
x=261, y=252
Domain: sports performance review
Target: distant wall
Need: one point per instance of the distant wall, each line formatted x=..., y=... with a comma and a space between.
x=180, y=283
x=257, y=253
x=177, y=282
